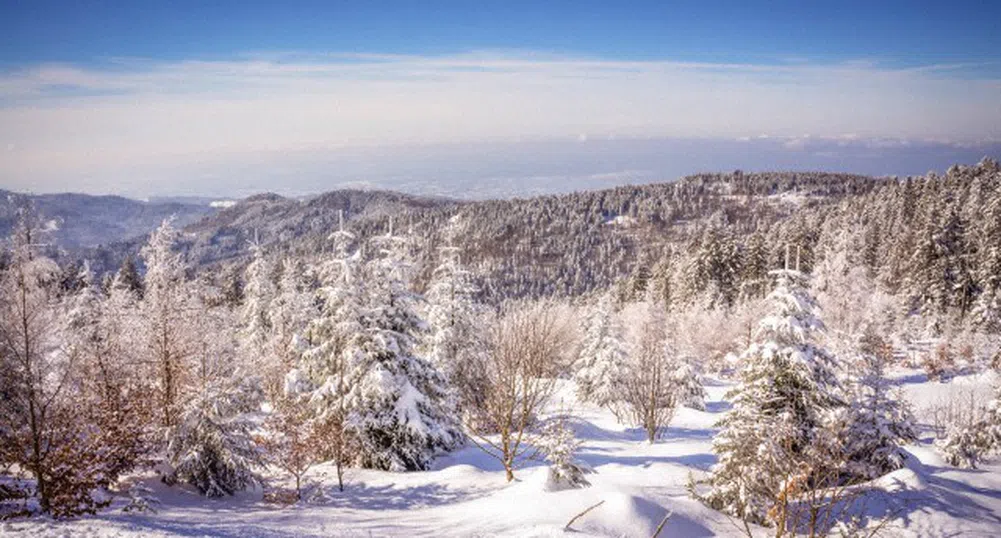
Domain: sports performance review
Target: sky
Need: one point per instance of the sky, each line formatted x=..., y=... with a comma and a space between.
x=479, y=99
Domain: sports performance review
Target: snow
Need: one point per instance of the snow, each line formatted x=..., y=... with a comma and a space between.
x=222, y=204
x=465, y=493
x=624, y=221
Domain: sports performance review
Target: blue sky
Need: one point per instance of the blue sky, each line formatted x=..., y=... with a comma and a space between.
x=910, y=32
x=127, y=97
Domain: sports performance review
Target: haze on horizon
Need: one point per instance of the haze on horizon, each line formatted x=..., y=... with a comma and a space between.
x=233, y=98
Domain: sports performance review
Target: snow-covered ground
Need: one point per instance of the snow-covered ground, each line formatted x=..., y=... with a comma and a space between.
x=466, y=495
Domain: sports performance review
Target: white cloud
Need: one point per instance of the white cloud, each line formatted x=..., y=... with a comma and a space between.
x=130, y=114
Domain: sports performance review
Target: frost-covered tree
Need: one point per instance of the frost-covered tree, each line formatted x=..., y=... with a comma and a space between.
x=127, y=277
x=330, y=366
x=169, y=322
x=687, y=385
x=783, y=403
x=367, y=375
x=879, y=422
x=112, y=389
x=524, y=343
x=603, y=356
x=987, y=310
x=292, y=310
x=648, y=396
x=35, y=370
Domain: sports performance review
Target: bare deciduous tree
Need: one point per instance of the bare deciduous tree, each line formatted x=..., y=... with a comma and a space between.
x=529, y=345
x=649, y=394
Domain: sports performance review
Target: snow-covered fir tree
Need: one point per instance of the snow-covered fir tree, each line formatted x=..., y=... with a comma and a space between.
x=687, y=385
x=783, y=402
x=603, y=355
x=211, y=447
x=987, y=309
x=403, y=414
x=367, y=375
x=330, y=365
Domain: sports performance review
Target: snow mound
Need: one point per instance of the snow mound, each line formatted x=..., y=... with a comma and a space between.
x=622, y=514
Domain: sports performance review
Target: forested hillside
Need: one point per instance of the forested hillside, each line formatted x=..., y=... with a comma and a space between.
x=77, y=221
x=930, y=238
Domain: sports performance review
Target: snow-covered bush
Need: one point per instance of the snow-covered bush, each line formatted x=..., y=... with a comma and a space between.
x=971, y=444
x=559, y=445
x=688, y=387
x=879, y=421
x=141, y=499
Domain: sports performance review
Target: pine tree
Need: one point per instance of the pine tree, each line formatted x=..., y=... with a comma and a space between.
x=780, y=408
x=712, y=278
x=987, y=309
x=663, y=287
x=331, y=365
x=687, y=385
x=128, y=277
x=291, y=311
x=754, y=268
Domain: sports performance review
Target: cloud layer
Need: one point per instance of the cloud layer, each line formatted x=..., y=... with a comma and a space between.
x=60, y=123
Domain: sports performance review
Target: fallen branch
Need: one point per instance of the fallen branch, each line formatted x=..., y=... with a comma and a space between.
x=580, y=515
x=662, y=523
